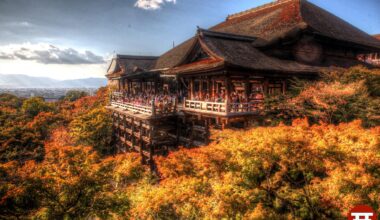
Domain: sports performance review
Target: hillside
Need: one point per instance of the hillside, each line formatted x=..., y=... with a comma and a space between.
x=314, y=159
x=23, y=81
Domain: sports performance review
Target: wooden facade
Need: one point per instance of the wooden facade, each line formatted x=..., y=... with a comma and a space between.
x=221, y=76
x=372, y=58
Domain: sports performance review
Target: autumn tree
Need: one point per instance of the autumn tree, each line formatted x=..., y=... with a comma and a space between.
x=70, y=183
x=285, y=172
x=10, y=101
x=74, y=95
x=93, y=129
x=340, y=96
x=33, y=106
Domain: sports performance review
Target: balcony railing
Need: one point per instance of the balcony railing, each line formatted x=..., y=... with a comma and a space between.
x=133, y=107
x=167, y=108
x=223, y=108
x=152, y=109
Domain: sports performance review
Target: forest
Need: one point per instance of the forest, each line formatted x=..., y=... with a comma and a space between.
x=315, y=155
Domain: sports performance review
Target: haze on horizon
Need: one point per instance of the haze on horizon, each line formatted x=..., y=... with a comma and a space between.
x=70, y=39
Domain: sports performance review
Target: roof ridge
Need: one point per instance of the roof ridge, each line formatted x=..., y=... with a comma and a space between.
x=258, y=8
x=136, y=57
x=219, y=34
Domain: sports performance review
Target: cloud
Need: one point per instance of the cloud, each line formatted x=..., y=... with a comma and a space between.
x=152, y=4
x=48, y=54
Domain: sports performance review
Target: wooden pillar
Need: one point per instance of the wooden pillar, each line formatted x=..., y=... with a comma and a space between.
x=247, y=87
x=217, y=87
x=207, y=131
x=133, y=131
x=266, y=86
x=178, y=131
x=192, y=133
x=141, y=144
x=192, y=89
x=155, y=86
x=151, y=147
x=212, y=94
x=200, y=87
x=227, y=85
x=283, y=86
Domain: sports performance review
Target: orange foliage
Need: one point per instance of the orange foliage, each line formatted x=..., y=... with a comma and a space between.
x=305, y=171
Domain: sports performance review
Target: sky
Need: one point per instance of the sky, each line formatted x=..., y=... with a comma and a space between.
x=70, y=39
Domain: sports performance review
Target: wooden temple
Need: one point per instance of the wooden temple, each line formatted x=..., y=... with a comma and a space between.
x=221, y=76
x=372, y=58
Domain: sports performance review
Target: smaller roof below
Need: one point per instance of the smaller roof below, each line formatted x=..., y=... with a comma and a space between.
x=128, y=64
x=377, y=36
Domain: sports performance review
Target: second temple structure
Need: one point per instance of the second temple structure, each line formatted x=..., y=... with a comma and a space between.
x=221, y=76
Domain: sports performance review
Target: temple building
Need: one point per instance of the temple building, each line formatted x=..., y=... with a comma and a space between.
x=372, y=58
x=221, y=76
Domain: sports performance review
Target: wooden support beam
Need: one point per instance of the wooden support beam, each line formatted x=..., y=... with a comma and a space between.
x=283, y=86
x=227, y=85
x=200, y=88
x=266, y=86
x=141, y=143
x=247, y=87
x=133, y=131
x=212, y=88
x=156, y=86
x=192, y=89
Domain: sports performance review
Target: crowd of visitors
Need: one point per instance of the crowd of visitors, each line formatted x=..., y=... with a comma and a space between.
x=165, y=101
x=162, y=101
x=235, y=97
x=238, y=101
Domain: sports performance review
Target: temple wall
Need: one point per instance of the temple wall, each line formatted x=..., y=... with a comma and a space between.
x=113, y=83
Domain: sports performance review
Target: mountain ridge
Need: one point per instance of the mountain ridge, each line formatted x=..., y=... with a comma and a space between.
x=14, y=81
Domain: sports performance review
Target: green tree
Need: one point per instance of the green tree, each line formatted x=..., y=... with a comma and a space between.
x=93, y=129
x=74, y=95
x=33, y=106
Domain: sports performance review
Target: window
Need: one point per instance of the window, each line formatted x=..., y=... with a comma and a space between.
x=275, y=88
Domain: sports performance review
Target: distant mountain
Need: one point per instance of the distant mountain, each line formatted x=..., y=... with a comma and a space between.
x=12, y=81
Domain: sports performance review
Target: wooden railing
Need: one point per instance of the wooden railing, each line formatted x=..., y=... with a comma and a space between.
x=132, y=107
x=222, y=108
x=217, y=108
x=117, y=100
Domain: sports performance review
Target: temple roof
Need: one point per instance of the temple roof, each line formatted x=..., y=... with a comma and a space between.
x=280, y=17
x=278, y=20
x=238, y=51
x=128, y=64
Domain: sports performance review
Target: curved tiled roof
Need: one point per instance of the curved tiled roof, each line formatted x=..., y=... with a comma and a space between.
x=128, y=64
x=239, y=51
x=276, y=20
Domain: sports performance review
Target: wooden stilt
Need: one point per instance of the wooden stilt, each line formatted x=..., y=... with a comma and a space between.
x=192, y=95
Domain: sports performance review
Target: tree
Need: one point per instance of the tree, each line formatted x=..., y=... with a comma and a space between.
x=74, y=95
x=33, y=106
x=340, y=96
x=20, y=143
x=70, y=183
x=11, y=101
x=93, y=129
